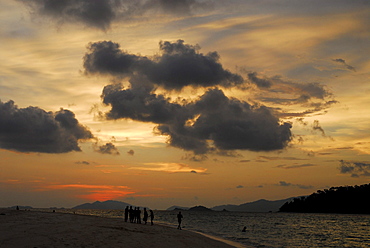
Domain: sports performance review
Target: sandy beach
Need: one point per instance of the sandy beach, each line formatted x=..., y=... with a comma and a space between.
x=33, y=229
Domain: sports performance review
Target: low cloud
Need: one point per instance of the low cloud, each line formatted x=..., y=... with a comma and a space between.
x=33, y=129
x=355, y=168
x=131, y=152
x=286, y=184
x=108, y=148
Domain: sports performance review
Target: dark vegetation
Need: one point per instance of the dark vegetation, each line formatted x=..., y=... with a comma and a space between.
x=344, y=199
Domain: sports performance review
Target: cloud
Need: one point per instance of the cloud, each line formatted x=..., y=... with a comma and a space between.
x=82, y=162
x=170, y=167
x=101, y=14
x=315, y=97
x=317, y=127
x=343, y=62
x=239, y=186
x=32, y=129
x=260, y=82
x=244, y=161
x=355, y=168
x=177, y=66
x=92, y=192
x=280, y=158
x=108, y=148
x=286, y=184
x=294, y=166
x=131, y=152
x=212, y=122
x=229, y=123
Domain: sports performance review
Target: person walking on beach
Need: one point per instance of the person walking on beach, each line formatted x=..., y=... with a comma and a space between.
x=179, y=219
x=145, y=218
x=151, y=217
x=126, y=213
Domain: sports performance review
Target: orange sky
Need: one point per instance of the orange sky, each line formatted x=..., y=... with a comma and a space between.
x=175, y=77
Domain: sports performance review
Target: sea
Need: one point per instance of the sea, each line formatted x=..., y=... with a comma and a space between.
x=267, y=230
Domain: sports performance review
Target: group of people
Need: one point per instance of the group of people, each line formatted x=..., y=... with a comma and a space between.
x=134, y=215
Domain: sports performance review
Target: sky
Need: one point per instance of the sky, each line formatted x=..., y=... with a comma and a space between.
x=185, y=102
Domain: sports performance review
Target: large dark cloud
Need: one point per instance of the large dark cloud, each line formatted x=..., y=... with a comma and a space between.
x=177, y=66
x=213, y=121
x=101, y=13
x=32, y=129
x=230, y=124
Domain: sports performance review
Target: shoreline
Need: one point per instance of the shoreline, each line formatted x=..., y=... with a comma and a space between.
x=39, y=229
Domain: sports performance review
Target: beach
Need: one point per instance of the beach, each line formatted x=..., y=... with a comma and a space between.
x=33, y=229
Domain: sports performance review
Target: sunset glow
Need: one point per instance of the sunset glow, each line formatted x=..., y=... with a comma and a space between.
x=198, y=103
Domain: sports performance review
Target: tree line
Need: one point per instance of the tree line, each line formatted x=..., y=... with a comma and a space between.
x=343, y=199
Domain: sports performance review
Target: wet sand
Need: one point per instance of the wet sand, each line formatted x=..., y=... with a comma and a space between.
x=31, y=229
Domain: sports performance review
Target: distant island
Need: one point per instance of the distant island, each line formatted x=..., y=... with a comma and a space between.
x=199, y=208
x=344, y=199
x=177, y=208
x=261, y=205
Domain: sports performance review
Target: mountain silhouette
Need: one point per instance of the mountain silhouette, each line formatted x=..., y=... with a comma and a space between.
x=199, y=208
x=261, y=205
x=110, y=204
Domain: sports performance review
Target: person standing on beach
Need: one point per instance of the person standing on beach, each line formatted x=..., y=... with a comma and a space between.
x=145, y=218
x=179, y=219
x=135, y=215
x=126, y=213
x=138, y=215
x=131, y=214
x=151, y=217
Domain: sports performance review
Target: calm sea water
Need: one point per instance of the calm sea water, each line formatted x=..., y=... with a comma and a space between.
x=270, y=230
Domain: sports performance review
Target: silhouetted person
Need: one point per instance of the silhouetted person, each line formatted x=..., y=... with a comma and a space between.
x=145, y=218
x=135, y=215
x=17, y=208
x=131, y=214
x=126, y=213
x=179, y=219
x=244, y=229
x=138, y=213
x=151, y=217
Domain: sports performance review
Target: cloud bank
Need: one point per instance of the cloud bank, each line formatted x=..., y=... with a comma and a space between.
x=32, y=129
